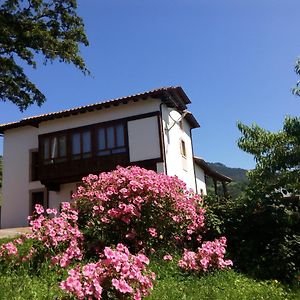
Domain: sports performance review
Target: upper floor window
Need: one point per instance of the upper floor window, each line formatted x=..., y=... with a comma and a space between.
x=111, y=140
x=55, y=149
x=182, y=148
x=81, y=144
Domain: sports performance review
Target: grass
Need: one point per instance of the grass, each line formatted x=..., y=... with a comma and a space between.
x=21, y=286
x=220, y=285
x=171, y=284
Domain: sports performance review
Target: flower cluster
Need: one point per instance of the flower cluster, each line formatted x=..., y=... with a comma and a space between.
x=58, y=233
x=119, y=271
x=131, y=208
x=57, y=236
x=139, y=208
x=8, y=250
x=209, y=256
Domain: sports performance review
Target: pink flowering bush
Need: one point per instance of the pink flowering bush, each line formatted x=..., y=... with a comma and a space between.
x=133, y=210
x=8, y=250
x=138, y=207
x=118, y=274
x=208, y=257
x=52, y=236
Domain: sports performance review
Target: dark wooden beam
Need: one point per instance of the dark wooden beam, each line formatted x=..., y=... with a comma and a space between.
x=216, y=186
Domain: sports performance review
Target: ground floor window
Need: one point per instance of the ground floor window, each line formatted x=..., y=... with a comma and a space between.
x=37, y=197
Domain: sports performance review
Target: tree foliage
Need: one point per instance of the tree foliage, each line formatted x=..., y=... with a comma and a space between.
x=277, y=157
x=296, y=90
x=30, y=28
x=263, y=223
x=268, y=220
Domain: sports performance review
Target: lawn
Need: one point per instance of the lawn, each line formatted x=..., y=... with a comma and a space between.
x=171, y=284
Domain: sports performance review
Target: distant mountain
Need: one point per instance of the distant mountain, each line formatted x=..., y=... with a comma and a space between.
x=237, y=174
x=236, y=187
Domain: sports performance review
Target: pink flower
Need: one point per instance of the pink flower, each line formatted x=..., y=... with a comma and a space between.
x=208, y=257
x=50, y=211
x=152, y=232
x=122, y=286
x=39, y=209
x=168, y=257
x=189, y=231
x=122, y=272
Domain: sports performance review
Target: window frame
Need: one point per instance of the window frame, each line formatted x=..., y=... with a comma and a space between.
x=51, y=138
x=81, y=154
x=110, y=150
x=183, y=148
x=94, y=143
x=45, y=198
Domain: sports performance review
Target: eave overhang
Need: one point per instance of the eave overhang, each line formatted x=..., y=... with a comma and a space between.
x=173, y=97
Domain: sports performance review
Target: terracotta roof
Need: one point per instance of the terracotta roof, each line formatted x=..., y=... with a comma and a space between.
x=209, y=171
x=171, y=96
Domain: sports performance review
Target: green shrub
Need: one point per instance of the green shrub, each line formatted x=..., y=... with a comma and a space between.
x=264, y=235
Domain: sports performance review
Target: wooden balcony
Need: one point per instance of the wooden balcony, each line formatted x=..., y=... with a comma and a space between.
x=54, y=174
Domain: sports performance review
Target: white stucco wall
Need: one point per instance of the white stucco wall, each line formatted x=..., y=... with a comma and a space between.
x=143, y=139
x=144, y=144
x=182, y=167
x=16, y=184
x=200, y=179
x=18, y=142
x=98, y=116
x=64, y=195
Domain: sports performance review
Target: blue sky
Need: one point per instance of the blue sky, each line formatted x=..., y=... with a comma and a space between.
x=233, y=58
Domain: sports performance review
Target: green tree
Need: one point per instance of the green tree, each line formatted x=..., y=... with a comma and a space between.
x=277, y=157
x=296, y=90
x=267, y=240
x=30, y=28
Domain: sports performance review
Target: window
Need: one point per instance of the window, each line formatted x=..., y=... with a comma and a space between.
x=37, y=197
x=182, y=148
x=81, y=144
x=34, y=163
x=55, y=149
x=111, y=140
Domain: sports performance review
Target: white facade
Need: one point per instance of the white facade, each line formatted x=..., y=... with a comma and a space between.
x=177, y=135
x=200, y=180
x=16, y=185
x=160, y=137
x=103, y=115
x=143, y=135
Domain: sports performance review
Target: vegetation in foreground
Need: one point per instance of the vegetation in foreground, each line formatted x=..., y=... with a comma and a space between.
x=148, y=213
x=171, y=284
x=98, y=244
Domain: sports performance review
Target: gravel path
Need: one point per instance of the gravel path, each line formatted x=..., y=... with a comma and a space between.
x=12, y=232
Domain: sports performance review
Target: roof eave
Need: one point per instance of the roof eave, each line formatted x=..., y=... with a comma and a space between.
x=172, y=96
x=209, y=171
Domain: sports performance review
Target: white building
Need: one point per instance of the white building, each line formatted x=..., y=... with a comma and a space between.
x=45, y=157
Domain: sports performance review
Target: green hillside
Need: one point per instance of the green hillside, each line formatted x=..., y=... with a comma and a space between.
x=237, y=174
x=236, y=187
